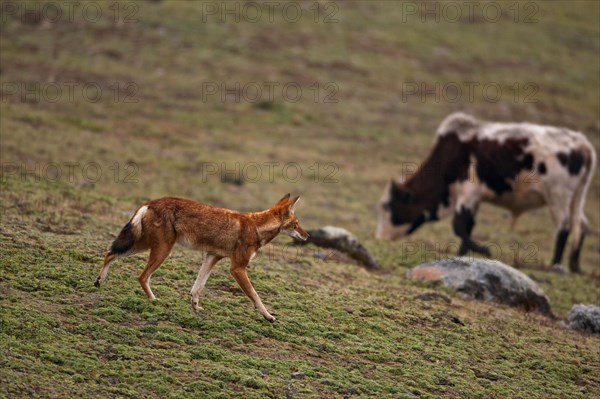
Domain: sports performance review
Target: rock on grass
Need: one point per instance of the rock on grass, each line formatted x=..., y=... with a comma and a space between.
x=487, y=280
x=298, y=375
x=341, y=240
x=432, y=295
x=584, y=318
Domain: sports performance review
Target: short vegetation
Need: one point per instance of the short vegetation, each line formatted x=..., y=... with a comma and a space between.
x=341, y=331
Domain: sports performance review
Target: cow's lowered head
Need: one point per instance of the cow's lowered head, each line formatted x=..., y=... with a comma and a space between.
x=425, y=196
x=399, y=213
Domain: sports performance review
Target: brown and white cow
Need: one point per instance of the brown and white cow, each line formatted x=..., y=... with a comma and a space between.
x=517, y=166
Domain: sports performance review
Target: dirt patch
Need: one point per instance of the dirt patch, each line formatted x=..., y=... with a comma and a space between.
x=339, y=66
x=371, y=45
x=274, y=39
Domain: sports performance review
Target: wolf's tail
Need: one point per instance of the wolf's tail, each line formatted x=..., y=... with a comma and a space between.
x=129, y=234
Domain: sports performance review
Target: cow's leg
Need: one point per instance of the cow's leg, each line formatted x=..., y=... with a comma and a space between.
x=575, y=252
x=559, y=245
x=579, y=223
x=560, y=212
x=463, y=223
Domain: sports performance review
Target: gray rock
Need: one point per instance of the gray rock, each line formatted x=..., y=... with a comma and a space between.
x=298, y=375
x=487, y=280
x=290, y=392
x=84, y=184
x=431, y=295
x=342, y=240
x=584, y=318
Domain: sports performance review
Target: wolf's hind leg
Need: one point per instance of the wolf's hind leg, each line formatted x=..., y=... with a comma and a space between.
x=109, y=257
x=203, y=275
x=158, y=255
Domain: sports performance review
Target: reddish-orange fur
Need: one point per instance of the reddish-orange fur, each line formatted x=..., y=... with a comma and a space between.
x=217, y=231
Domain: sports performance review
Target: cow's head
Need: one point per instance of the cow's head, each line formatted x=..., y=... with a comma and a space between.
x=399, y=213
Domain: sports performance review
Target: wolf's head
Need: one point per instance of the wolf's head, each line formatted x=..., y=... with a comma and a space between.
x=289, y=222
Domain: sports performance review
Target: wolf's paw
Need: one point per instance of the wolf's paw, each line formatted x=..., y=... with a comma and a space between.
x=196, y=306
x=269, y=318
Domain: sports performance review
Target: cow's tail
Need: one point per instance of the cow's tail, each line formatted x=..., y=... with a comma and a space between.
x=580, y=223
x=590, y=229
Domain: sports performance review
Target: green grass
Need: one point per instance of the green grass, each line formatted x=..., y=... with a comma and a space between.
x=352, y=333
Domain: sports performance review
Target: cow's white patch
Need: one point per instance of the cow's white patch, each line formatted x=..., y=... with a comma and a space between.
x=443, y=211
x=387, y=231
x=464, y=125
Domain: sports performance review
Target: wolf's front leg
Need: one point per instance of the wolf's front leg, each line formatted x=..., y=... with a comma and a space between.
x=239, y=273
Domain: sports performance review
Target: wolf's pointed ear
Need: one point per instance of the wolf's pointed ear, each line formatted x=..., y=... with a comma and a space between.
x=294, y=203
x=285, y=199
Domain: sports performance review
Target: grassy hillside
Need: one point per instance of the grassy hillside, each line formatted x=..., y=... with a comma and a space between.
x=98, y=116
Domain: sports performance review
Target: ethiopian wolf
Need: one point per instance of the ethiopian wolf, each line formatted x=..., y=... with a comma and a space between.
x=517, y=166
x=157, y=225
